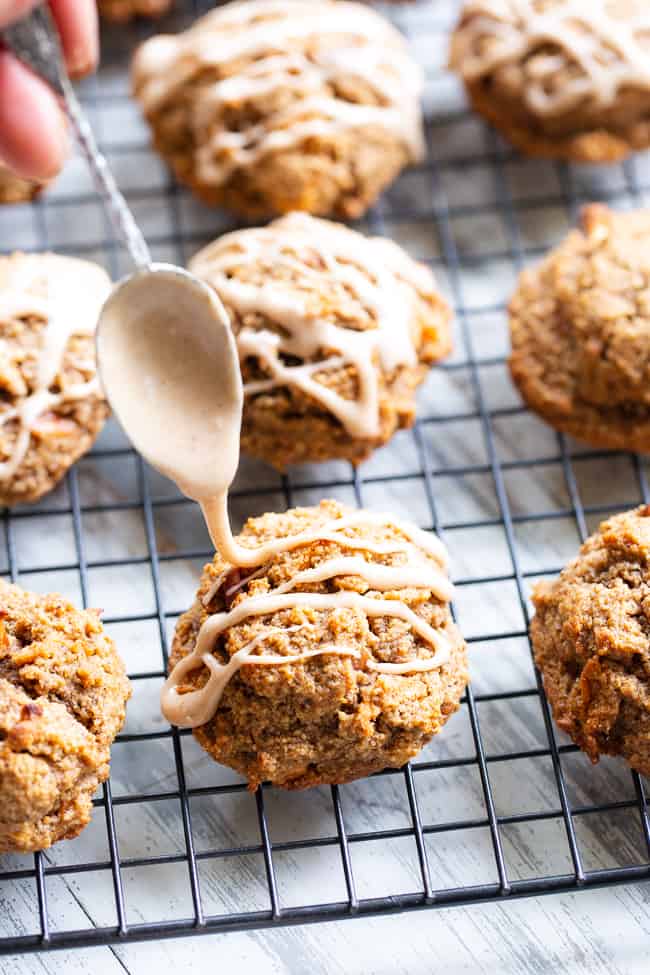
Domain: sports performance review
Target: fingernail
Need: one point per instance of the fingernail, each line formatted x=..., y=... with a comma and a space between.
x=81, y=61
x=63, y=138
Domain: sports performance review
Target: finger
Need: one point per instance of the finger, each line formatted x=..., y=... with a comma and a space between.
x=33, y=134
x=77, y=23
x=11, y=10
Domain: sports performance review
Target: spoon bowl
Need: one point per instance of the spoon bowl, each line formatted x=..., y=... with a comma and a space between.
x=168, y=363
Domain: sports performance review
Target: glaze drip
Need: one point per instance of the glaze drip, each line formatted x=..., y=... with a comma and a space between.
x=597, y=52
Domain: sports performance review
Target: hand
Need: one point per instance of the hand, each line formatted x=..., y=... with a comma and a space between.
x=33, y=131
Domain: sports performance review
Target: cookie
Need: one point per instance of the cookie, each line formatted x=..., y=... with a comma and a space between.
x=268, y=107
x=591, y=640
x=335, y=332
x=347, y=657
x=51, y=403
x=13, y=189
x=121, y=11
x=63, y=692
x=559, y=79
x=580, y=331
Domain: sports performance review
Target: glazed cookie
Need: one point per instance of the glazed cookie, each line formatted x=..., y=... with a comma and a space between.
x=13, y=189
x=562, y=79
x=51, y=404
x=335, y=658
x=63, y=692
x=580, y=330
x=591, y=636
x=334, y=331
x=268, y=106
x=121, y=11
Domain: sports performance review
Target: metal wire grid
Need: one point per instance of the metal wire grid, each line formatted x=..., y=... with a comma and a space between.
x=433, y=475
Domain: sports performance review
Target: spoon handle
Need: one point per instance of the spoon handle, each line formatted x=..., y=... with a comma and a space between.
x=35, y=41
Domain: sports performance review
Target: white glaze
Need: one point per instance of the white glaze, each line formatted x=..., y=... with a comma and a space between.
x=373, y=273
x=203, y=703
x=216, y=514
x=67, y=294
x=299, y=47
x=383, y=578
x=606, y=51
x=194, y=708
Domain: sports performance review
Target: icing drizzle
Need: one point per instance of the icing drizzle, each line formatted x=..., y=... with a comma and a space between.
x=307, y=51
x=604, y=52
x=67, y=295
x=423, y=568
x=371, y=274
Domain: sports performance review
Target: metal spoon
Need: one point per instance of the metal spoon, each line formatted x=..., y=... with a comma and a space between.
x=168, y=305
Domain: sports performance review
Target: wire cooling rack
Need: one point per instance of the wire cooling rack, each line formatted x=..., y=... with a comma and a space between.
x=500, y=805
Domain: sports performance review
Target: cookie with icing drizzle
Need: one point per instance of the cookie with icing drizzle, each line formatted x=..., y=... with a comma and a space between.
x=562, y=79
x=268, y=106
x=332, y=658
x=335, y=332
x=580, y=331
x=51, y=403
x=121, y=11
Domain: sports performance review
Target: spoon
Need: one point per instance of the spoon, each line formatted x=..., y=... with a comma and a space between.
x=165, y=351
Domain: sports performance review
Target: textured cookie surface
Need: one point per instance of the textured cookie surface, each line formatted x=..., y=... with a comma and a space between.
x=334, y=331
x=121, y=11
x=328, y=718
x=564, y=79
x=591, y=636
x=51, y=405
x=268, y=107
x=63, y=693
x=580, y=330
